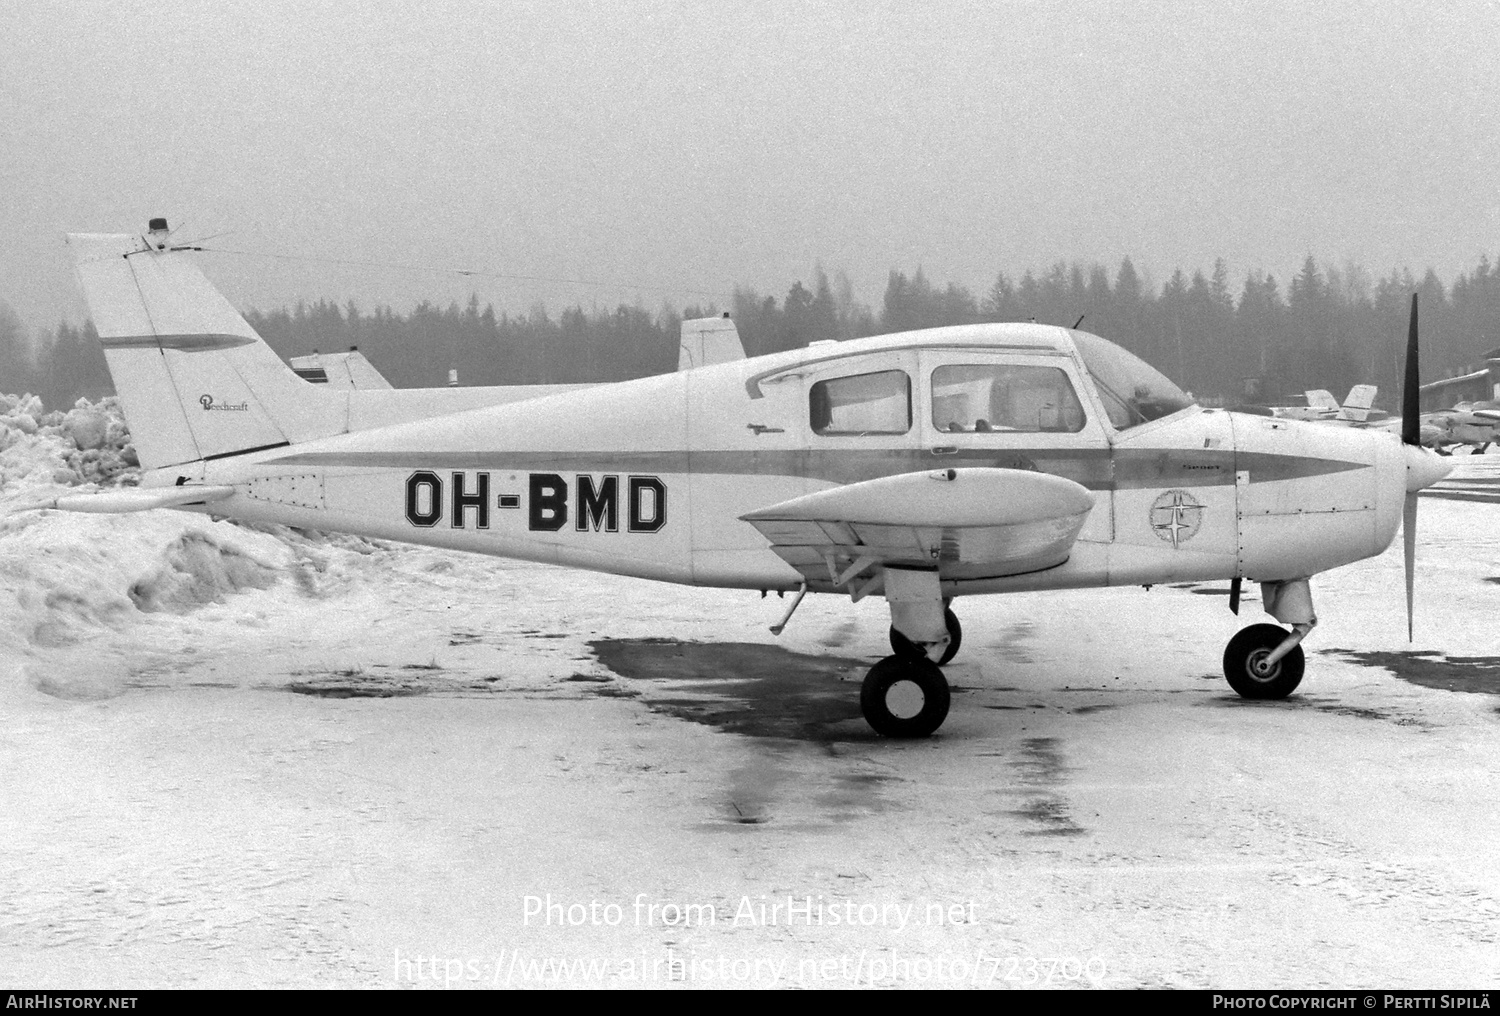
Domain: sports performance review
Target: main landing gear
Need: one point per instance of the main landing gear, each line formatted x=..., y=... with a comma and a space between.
x=906, y=694
x=1265, y=661
x=903, y=646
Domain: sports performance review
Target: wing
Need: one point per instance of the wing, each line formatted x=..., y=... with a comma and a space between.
x=968, y=523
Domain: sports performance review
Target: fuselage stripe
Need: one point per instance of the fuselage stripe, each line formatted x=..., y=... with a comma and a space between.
x=1096, y=469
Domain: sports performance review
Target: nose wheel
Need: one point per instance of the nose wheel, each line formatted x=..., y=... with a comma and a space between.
x=904, y=696
x=1251, y=666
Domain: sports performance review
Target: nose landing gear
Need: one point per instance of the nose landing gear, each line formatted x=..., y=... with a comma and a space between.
x=1265, y=661
x=1252, y=672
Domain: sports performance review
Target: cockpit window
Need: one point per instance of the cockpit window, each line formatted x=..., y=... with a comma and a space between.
x=878, y=403
x=1133, y=391
x=978, y=398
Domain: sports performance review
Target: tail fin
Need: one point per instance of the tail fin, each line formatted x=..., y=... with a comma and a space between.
x=709, y=340
x=340, y=371
x=1321, y=398
x=195, y=381
x=1357, y=405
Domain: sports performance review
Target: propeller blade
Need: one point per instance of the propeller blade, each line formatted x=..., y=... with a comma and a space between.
x=1409, y=548
x=1411, y=395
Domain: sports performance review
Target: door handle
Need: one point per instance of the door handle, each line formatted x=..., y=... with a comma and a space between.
x=946, y=449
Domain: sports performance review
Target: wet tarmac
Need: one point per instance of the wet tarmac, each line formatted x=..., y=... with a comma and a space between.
x=1433, y=670
x=745, y=687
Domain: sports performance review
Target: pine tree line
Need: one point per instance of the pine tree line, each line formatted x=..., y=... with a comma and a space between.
x=1329, y=328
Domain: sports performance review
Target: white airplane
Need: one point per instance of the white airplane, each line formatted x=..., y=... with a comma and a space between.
x=1476, y=424
x=922, y=467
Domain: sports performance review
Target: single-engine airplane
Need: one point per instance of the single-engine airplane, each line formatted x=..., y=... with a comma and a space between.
x=922, y=466
x=1472, y=424
x=1475, y=424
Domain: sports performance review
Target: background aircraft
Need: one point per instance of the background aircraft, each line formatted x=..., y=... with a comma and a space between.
x=1472, y=424
x=1476, y=424
x=339, y=370
x=921, y=466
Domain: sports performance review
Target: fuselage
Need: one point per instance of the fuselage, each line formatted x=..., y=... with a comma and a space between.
x=651, y=477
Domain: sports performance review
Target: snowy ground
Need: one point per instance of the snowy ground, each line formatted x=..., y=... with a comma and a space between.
x=231, y=757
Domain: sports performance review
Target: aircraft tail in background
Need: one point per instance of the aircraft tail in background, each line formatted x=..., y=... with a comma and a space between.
x=1321, y=399
x=1356, y=408
x=709, y=340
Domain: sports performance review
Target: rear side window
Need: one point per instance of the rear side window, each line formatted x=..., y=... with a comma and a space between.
x=878, y=403
x=978, y=398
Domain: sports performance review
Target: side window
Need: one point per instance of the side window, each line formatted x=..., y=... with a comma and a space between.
x=969, y=398
x=878, y=403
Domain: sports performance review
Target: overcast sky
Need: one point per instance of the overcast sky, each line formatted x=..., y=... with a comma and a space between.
x=697, y=146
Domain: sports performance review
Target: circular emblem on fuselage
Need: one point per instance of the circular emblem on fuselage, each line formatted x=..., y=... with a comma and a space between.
x=1176, y=516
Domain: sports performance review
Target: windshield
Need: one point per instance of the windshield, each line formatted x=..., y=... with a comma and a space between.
x=1133, y=391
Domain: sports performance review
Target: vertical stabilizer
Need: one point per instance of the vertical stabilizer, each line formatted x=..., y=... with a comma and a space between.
x=1322, y=400
x=340, y=371
x=708, y=340
x=194, y=379
x=1357, y=405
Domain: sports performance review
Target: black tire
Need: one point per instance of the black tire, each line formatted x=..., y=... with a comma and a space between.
x=903, y=646
x=1253, y=644
x=894, y=673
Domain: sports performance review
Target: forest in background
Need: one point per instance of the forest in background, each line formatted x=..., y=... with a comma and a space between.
x=1328, y=327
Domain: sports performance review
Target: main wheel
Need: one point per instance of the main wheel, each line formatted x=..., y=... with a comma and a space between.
x=903, y=646
x=904, y=696
x=1244, y=663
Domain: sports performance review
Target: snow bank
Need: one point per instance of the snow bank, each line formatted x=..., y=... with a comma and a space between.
x=70, y=583
x=87, y=444
x=196, y=568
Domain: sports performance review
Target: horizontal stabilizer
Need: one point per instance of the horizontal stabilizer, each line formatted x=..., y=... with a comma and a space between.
x=136, y=499
x=963, y=521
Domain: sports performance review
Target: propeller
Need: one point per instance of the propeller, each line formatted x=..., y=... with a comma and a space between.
x=1411, y=396
x=1423, y=468
x=1411, y=436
